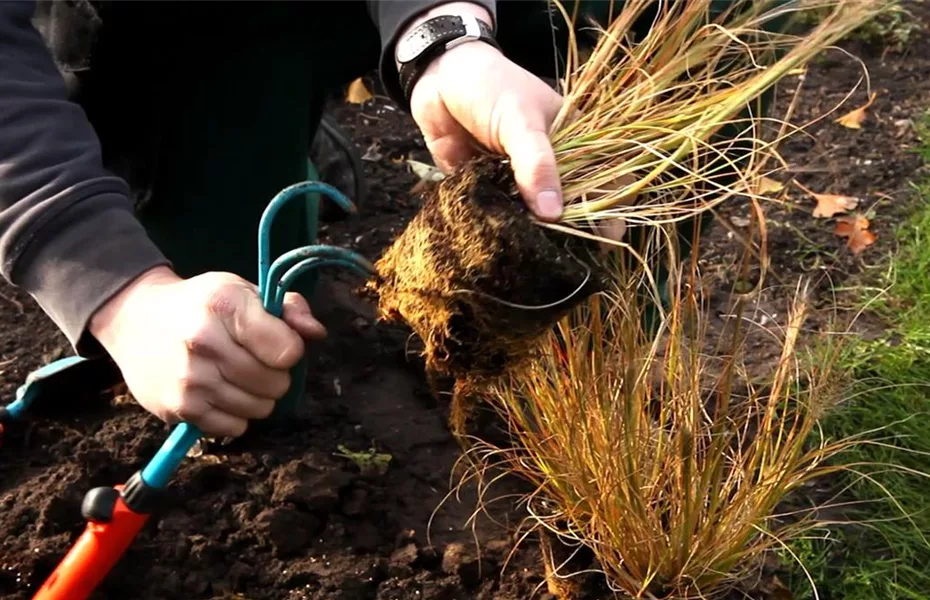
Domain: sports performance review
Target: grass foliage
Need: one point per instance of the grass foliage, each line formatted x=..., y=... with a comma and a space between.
x=652, y=450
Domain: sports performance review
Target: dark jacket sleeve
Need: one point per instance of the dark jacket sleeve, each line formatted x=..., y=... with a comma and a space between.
x=68, y=233
x=391, y=17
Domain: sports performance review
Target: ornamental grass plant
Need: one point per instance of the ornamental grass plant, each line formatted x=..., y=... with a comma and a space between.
x=650, y=447
x=633, y=419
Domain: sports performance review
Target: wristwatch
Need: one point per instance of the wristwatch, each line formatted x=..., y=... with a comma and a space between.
x=428, y=40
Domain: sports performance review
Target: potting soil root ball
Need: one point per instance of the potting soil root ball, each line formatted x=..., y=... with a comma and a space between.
x=476, y=279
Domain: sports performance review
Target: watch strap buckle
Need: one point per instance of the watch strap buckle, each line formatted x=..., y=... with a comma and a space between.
x=472, y=32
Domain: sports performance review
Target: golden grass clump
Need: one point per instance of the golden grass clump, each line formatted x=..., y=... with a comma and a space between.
x=654, y=450
x=660, y=123
x=668, y=101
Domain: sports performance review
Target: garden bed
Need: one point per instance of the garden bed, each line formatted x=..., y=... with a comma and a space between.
x=279, y=514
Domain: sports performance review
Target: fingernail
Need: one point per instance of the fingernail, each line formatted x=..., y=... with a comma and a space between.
x=549, y=205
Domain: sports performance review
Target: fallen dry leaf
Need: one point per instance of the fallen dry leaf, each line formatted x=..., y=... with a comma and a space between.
x=767, y=185
x=373, y=152
x=358, y=93
x=740, y=221
x=425, y=171
x=829, y=205
x=856, y=231
x=854, y=118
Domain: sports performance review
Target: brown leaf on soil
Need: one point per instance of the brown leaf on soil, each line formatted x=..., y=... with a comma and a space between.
x=856, y=230
x=854, y=118
x=358, y=93
x=767, y=185
x=829, y=205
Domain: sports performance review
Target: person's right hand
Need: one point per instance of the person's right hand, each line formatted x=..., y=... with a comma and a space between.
x=203, y=350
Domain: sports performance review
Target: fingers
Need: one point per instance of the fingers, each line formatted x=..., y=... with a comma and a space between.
x=448, y=140
x=239, y=368
x=194, y=404
x=235, y=363
x=298, y=316
x=218, y=424
x=612, y=229
x=205, y=399
x=267, y=338
x=236, y=402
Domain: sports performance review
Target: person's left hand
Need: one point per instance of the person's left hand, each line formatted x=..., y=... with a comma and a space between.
x=473, y=93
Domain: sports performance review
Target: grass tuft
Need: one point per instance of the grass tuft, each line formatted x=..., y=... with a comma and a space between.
x=657, y=452
x=663, y=124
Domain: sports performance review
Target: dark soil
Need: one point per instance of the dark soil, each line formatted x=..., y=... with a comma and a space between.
x=277, y=514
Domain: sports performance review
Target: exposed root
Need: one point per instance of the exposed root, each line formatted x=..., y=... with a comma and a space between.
x=477, y=280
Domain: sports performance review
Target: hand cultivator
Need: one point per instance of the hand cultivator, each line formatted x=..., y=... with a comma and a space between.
x=116, y=514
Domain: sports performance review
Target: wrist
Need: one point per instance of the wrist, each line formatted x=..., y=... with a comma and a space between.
x=105, y=321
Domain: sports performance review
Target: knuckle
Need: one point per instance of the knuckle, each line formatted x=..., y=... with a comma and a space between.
x=222, y=301
x=190, y=380
x=291, y=352
x=187, y=383
x=198, y=340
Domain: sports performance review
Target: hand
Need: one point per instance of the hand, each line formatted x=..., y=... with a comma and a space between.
x=473, y=93
x=203, y=350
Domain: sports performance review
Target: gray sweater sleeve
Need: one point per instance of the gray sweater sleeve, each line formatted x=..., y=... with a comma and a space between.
x=68, y=235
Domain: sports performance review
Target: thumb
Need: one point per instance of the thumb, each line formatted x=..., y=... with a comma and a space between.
x=298, y=316
x=267, y=338
x=525, y=139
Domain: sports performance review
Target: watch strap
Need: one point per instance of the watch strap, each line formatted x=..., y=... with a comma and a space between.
x=415, y=51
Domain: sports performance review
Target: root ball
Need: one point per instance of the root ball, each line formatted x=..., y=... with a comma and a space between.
x=477, y=279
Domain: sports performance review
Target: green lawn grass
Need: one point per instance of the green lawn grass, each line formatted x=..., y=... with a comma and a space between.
x=888, y=558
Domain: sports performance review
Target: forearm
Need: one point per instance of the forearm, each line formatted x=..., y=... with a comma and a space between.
x=68, y=235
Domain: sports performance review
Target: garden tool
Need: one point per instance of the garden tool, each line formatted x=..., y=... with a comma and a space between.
x=55, y=379
x=115, y=515
x=338, y=162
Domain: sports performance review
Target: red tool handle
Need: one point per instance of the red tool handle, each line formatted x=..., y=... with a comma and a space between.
x=93, y=555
